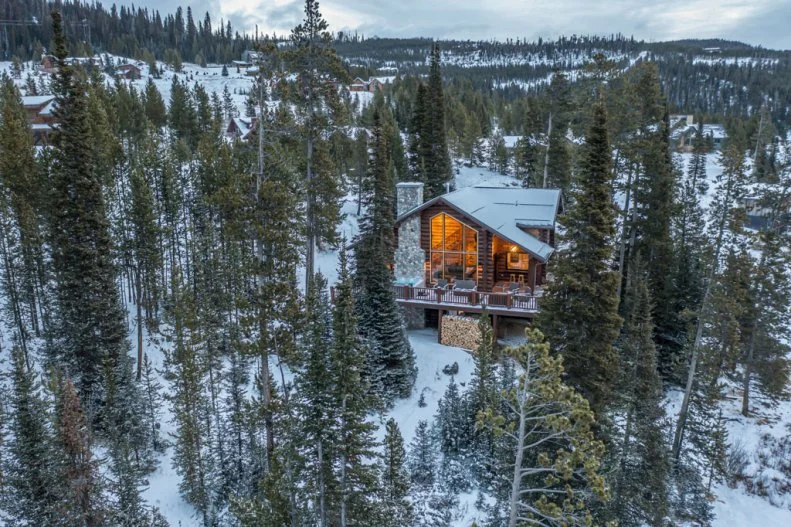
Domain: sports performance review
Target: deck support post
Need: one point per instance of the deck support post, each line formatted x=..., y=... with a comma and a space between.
x=494, y=331
x=532, y=277
x=439, y=325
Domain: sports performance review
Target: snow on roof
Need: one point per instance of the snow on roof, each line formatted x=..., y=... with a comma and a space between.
x=384, y=80
x=49, y=109
x=36, y=100
x=716, y=131
x=506, y=211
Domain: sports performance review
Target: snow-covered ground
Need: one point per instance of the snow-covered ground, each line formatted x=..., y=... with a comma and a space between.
x=733, y=507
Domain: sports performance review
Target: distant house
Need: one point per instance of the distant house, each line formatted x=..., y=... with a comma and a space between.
x=250, y=56
x=712, y=51
x=40, y=111
x=48, y=64
x=128, y=71
x=373, y=84
x=717, y=134
x=684, y=135
x=240, y=127
x=764, y=212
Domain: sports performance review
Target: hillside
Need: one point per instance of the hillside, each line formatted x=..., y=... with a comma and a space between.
x=375, y=282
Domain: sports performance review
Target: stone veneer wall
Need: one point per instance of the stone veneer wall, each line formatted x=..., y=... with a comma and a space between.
x=409, y=256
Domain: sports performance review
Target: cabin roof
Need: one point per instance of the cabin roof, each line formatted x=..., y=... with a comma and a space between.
x=505, y=211
x=36, y=100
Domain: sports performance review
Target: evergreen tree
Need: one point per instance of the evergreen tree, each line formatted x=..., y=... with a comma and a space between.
x=82, y=502
x=396, y=509
x=551, y=484
x=186, y=370
x=154, y=105
x=769, y=328
x=33, y=485
x=91, y=327
x=391, y=362
x=357, y=476
x=23, y=195
x=579, y=311
x=314, y=60
x=642, y=472
x=315, y=404
x=438, y=167
x=422, y=457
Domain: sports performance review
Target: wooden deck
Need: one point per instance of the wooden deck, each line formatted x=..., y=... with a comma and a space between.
x=502, y=304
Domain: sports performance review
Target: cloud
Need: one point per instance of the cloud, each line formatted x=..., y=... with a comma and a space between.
x=760, y=22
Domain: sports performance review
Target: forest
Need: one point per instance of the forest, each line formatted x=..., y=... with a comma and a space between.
x=200, y=328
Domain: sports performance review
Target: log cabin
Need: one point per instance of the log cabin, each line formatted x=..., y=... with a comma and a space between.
x=473, y=249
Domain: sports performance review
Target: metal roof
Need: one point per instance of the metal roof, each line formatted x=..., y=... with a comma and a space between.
x=506, y=211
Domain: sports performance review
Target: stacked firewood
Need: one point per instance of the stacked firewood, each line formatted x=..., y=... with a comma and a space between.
x=460, y=331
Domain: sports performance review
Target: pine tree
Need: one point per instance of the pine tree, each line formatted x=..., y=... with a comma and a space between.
x=91, y=326
x=397, y=509
x=83, y=502
x=557, y=158
x=391, y=362
x=315, y=403
x=154, y=105
x=482, y=395
x=437, y=164
x=357, y=477
x=418, y=139
x=579, y=311
x=730, y=187
x=23, y=196
x=190, y=408
x=769, y=328
x=33, y=484
x=643, y=467
x=314, y=60
x=422, y=454
x=550, y=485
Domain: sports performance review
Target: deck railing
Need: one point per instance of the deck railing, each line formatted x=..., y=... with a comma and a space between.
x=461, y=298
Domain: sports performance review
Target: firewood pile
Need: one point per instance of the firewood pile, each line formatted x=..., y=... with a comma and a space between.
x=461, y=332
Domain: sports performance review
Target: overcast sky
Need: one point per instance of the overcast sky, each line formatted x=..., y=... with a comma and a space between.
x=761, y=22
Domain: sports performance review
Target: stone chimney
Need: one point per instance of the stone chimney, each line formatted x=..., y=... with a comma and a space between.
x=409, y=256
x=409, y=195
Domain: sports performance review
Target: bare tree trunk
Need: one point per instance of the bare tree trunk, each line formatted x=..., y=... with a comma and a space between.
x=546, y=152
x=622, y=245
x=139, y=303
x=13, y=294
x=748, y=372
x=516, y=481
x=342, y=481
x=704, y=306
x=322, y=499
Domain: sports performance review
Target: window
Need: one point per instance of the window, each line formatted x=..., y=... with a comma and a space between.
x=518, y=261
x=454, y=249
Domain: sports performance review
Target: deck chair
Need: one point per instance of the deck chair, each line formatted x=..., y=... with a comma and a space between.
x=442, y=283
x=464, y=285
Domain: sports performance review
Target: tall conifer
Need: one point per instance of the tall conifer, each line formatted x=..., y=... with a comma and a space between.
x=579, y=311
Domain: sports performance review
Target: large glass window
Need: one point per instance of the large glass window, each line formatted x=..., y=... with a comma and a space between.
x=454, y=249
